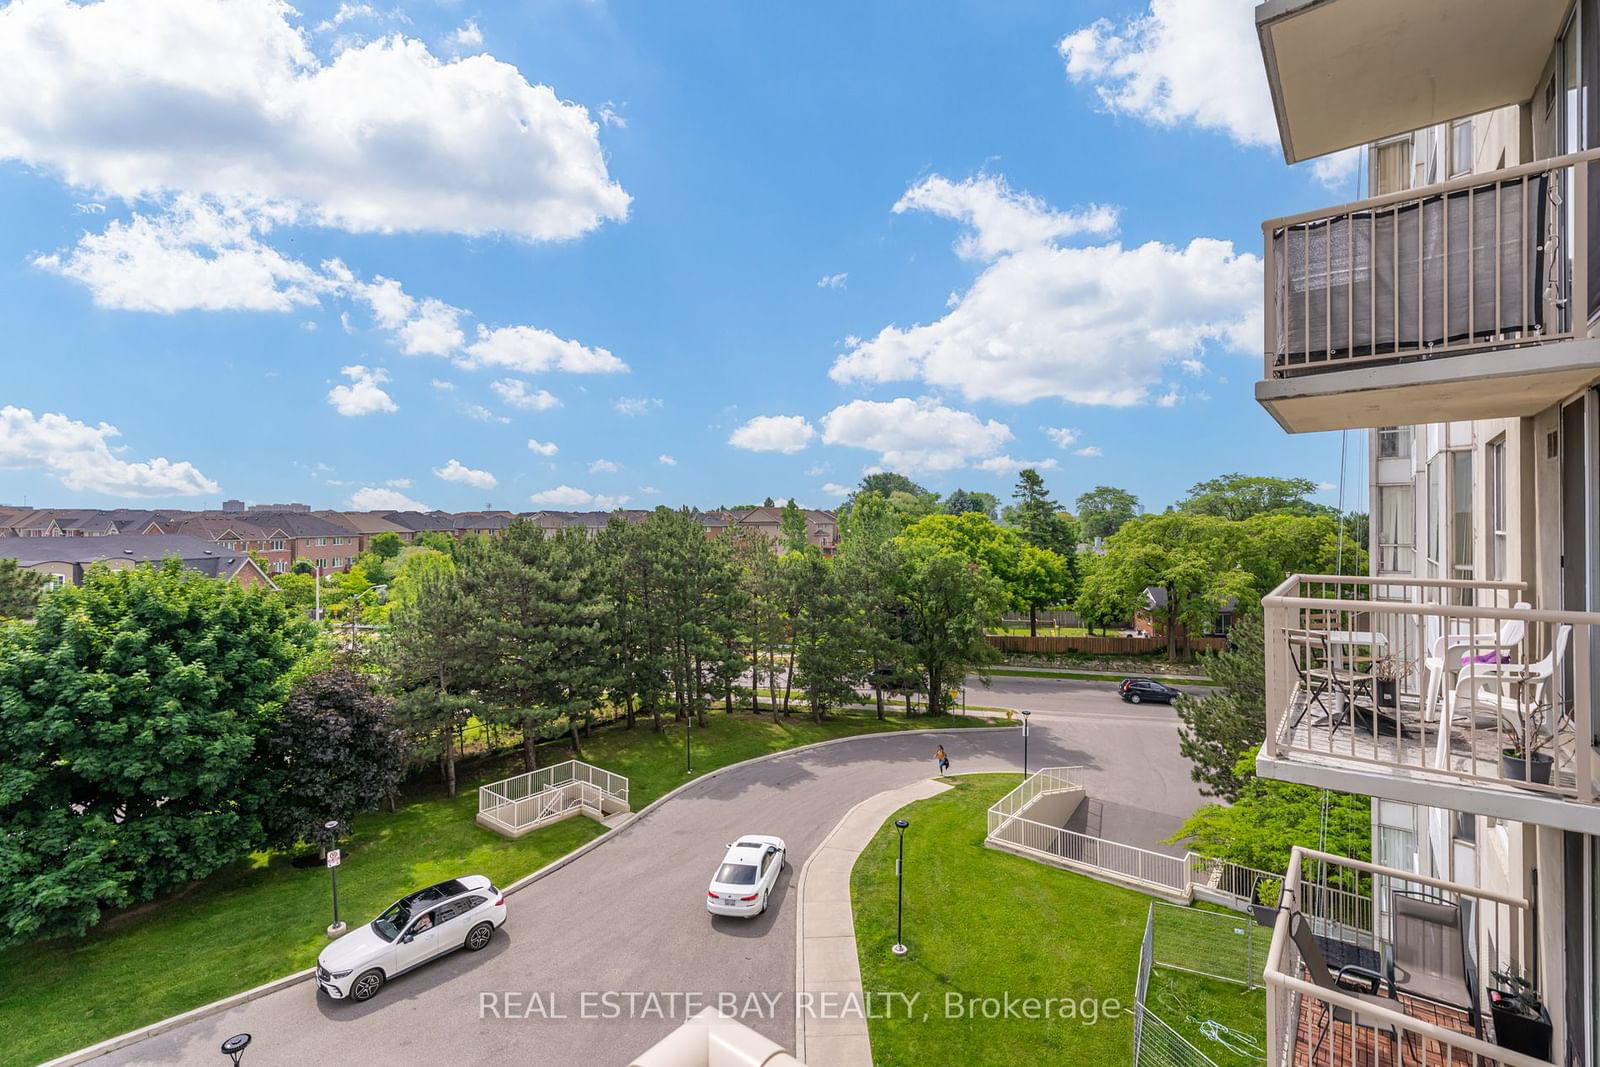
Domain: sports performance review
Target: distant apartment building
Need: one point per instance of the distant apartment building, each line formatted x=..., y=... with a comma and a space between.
x=1451, y=317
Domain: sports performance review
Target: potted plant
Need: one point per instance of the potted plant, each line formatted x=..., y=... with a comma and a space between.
x=1387, y=672
x=1524, y=759
x=1521, y=1022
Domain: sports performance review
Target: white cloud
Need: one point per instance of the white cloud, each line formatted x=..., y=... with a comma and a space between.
x=483, y=414
x=226, y=99
x=610, y=115
x=1169, y=399
x=514, y=392
x=529, y=350
x=372, y=499
x=649, y=490
x=456, y=471
x=196, y=256
x=914, y=435
x=467, y=35
x=1087, y=451
x=1327, y=487
x=603, y=466
x=833, y=281
x=774, y=433
x=80, y=457
x=1187, y=61
x=666, y=460
x=443, y=386
x=1000, y=220
x=834, y=489
x=544, y=448
x=398, y=483
x=1007, y=465
x=364, y=395
x=566, y=496
x=1061, y=435
x=1091, y=325
x=636, y=405
x=425, y=327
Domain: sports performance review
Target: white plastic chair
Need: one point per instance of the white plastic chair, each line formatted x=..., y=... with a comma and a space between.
x=1444, y=657
x=1510, y=691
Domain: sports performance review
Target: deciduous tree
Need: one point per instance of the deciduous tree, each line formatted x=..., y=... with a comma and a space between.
x=19, y=590
x=1103, y=510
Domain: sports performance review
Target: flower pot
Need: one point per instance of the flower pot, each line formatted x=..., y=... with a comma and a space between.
x=1518, y=1032
x=1388, y=693
x=1514, y=768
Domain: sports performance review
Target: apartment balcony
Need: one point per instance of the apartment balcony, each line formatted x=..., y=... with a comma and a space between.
x=1348, y=72
x=1381, y=967
x=1468, y=299
x=1451, y=694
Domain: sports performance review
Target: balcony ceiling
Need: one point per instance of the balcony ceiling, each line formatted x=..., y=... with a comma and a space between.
x=1347, y=72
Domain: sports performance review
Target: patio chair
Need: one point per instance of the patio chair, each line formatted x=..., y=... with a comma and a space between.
x=1323, y=670
x=1351, y=980
x=1428, y=956
x=1448, y=654
x=1507, y=693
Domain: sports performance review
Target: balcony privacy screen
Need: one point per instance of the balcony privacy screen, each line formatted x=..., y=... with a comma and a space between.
x=1350, y=285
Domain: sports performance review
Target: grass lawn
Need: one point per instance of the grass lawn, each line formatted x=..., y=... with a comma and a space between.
x=264, y=918
x=1097, y=676
x=1186, y=1002
x=1045, y=630
x=981, y=923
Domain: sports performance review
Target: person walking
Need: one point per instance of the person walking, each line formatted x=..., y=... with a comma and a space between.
x=944, y=760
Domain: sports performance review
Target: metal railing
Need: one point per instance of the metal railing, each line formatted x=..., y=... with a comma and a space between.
x=1041, y=781
x=1443, y=679
x=550, y=793
x=1375, y=1029
x=1484, y=261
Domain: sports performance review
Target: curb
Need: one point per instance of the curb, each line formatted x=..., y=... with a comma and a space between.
x=112, y=1044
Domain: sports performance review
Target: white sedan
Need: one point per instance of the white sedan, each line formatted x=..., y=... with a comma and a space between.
x=745, y=880
x=460, y=913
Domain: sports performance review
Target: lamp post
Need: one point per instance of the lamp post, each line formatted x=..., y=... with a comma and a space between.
x=1025, y=715
x=688, y=752
x=234, y=1047
x=355, y=608
x=899, y=948
x=332, y=828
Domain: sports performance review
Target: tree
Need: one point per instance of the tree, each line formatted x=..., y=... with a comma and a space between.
x=887, y=483
x=1103, y=510
x=792, y=528
x=867, y=567
x=1241, y=496
x=1043, y=526
x=962, y=501
x=335, y=752
x=1230, y=719
x=415, y=568
x=950, y=604
x=298, y=592
x=428, y=639
x=387, y=545
x=132, y=719
x=1032, y=577
x=829, y=661
x=19, y=590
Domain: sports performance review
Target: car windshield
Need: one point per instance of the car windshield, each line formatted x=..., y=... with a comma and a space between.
x=393, y=920
x=736, y=874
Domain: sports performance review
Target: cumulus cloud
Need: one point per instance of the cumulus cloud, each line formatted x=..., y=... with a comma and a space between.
x=79, y=456
x=649, y=490
x=611, y=115
x=666, y=460
x=467, y=35
x=480, y=413
x=1194, y=62
x=398, y=483
x=837, y=491
x=226, y=99
x=833, y=281
x=998, y=219
x=1091, y=325
x=443, y=386
x=364, y=395
x=515, y=393
x=425, y=327
x=567, y=496
x=603, y=466
x=530, y=350
x=456, y=471
x=1087, y=451
x=636, y=405
x=375, y=499
x=774, y=433
x=1061, y=435
x=543, y=448
x=1007, y=465
x=914, y=435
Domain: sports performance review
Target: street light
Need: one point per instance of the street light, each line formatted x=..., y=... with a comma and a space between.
x=234, y=1047
x=332, y=827
x=355, y=608
x=1025, y=715
x=900, y=897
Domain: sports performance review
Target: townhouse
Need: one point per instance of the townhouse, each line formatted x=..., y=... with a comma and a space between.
x=65, y=559
x=1448, y=319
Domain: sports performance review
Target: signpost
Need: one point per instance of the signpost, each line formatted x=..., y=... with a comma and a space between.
x=332, y=826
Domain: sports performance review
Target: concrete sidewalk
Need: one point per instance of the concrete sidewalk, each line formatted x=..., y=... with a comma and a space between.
x=825, y=941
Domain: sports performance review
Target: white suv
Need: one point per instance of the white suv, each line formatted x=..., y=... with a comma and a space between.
x=460, y=913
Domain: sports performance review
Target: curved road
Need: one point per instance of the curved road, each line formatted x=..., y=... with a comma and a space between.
x=627, y=918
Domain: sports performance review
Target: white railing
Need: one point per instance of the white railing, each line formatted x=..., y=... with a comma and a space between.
x=1485, y=261
x=550, y=793
x=1044, y=780
x=1123, y=862
x=1475, y=681
x=1297, y=1005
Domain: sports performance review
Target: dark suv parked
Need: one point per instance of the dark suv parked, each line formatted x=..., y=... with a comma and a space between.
x=1143, y=690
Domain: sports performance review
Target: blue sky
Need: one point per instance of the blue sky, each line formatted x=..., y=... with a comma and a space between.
x=733, y=250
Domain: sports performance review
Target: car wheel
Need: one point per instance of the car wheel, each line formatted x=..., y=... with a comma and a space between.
x=1133, y=698
x=478, y=937
x=763, y=904
x=366, y=987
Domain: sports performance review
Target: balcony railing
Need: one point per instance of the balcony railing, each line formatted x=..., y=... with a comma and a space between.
x=1419, y=1004
x=1481, y=262
x=1432, y=681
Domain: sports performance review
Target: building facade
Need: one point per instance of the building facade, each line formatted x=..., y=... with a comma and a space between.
x=1453, y=319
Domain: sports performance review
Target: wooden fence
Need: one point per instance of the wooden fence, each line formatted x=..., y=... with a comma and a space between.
x=1100, y=646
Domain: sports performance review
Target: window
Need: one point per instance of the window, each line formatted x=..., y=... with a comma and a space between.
x=1460, y=147
x=1435, y=518
x=736, y=874
x=1396, y=529
x=1461, y=525
x=1391, y=166
x=1394, y=442
x=322, y=542
x=1496, y=490
x=278, y=545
